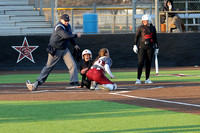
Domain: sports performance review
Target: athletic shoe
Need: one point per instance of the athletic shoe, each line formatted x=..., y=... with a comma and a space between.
x=29, y=85
x=138, y=81
x=148, y=81
x=74, y=84
x=102, y=87
x=114, y=87
x=97, y=87
x=32, y=87
x=93, y=85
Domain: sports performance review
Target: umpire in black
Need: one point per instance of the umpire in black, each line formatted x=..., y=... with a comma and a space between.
x=57, y=49
x=148, y=45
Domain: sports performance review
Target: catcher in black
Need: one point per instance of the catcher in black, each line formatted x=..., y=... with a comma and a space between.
x=84, y=67
x=147, y=38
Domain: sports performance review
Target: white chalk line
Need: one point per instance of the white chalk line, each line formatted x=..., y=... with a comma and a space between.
x=122, y=92
x=157, y=100
x=12, y=86
x=74, y=91
x=71, y=91
x=45, y=91
x=43, y=86
x=159, y=87
x=66, y=89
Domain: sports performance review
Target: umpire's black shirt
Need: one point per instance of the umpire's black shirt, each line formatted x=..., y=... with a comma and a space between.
x=61, y=36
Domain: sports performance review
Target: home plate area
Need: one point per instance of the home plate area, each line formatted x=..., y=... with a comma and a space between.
x=65, y=87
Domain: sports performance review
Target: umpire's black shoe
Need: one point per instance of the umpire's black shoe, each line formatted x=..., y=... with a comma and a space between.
x=74, y=84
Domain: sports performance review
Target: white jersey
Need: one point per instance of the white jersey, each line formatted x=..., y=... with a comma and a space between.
x=100, y=63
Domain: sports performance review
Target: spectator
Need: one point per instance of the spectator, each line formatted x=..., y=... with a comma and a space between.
x=174, y=21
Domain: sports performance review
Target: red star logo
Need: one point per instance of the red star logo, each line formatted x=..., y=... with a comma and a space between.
x=25, y=51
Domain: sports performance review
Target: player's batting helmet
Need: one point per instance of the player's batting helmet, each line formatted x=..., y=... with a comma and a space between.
x=86, y=51
x=145, y=17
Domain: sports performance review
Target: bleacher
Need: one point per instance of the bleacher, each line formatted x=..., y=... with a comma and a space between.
x=18, y=17
x=194, y=17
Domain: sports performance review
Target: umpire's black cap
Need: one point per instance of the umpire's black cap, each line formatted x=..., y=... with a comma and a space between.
x=65, y=17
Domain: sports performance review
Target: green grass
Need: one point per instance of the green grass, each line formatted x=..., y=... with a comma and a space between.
x=121, y=76
x=91, y=117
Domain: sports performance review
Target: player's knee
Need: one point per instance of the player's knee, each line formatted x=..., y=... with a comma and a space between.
x=140, y=64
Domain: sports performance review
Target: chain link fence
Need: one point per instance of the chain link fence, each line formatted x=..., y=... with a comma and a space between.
x=111, y=19
x=189, y=11
x=187, y=5
x=119, y=18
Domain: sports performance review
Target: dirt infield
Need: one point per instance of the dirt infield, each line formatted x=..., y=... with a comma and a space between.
x=173, y=96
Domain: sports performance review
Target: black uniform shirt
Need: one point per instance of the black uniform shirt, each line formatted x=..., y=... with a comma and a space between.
x=146, y=35
x=85, y=64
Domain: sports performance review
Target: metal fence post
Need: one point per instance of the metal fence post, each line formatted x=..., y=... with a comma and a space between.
x=56, y=12
x=41, y=5
x=52, y=13
x=113, y=24
x=36, y=5
x=157, y=15
x=167, y=22
x=134, y=12
x=94, y=8
x=150, y=9
x=127, y=20
x=186, y=20
x=198, y=21
x=72, y=17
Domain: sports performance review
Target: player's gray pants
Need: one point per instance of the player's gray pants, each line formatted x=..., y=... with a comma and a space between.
x=51, y=62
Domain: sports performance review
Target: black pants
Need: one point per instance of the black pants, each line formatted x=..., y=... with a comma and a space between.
x=145, y=56
x=85, y=82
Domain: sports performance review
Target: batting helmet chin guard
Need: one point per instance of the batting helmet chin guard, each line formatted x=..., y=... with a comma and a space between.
x=86, y=51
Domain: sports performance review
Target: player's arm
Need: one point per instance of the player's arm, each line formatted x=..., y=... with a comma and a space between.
x=107, y=69
x=81, y=67
x=137, y=36
x=73, y=42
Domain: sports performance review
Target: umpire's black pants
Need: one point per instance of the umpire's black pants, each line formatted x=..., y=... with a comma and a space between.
x=145, y=57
